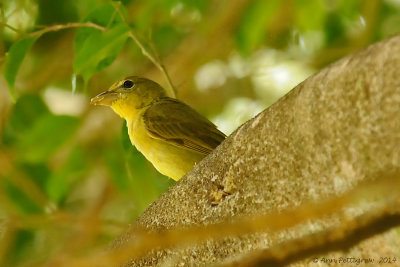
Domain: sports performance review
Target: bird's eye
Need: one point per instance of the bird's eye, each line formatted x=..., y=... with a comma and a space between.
x=128, y=84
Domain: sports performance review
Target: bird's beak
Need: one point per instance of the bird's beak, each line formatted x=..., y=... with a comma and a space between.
x=106, y=98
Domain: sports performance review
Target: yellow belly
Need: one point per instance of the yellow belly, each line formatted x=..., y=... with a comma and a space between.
x=168, y=159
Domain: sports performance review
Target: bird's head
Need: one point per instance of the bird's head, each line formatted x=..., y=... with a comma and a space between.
x=128, y=95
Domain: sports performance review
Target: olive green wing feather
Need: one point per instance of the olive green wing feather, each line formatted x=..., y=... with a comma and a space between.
x=178, y=124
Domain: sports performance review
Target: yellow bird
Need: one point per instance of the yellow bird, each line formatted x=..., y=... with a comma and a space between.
x=169, y=133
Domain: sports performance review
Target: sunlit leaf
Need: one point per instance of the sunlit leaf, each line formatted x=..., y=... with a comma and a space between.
x=14, y=59
x=350, y=9
x=95, y=50
x=309, y=14
x=104, y=15
x=46, y=135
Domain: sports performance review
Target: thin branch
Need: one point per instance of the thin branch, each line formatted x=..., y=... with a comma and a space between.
x=10, y=13
x=155, y=60
x=54, y=28
x=19, y=179
x=341, y=238
x=10, y=27
x=58, y=27
x=163, y=69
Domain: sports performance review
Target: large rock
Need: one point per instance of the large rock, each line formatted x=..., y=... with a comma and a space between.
x=336, y=129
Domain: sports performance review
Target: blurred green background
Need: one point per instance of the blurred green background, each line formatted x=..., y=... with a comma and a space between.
x=70, y=181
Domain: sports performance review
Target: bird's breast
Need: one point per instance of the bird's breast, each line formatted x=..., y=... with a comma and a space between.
x=168, y=159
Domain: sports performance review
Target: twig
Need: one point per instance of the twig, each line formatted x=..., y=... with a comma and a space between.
x=163, y=69
x=58, y=27
x=19, y=179
x=348, y=234
x=155, y=60
x=10, y=13
x=10, y=27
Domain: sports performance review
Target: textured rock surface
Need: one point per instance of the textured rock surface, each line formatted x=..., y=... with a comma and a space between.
x=324, y=137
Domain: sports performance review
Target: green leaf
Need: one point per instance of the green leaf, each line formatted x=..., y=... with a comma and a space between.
x=166, y=38
x=118, y=162
x=20, y=247
x=126, y=141
x=14, y=60
x=23, y=202
x=46, y=135
x=25, y=112
x=102, y=16
x=334, y=28
x=199, y=5
x=351, y=9
x=38, y=172
x=254, y=24
x=96, y=50
x=59, y=185
x=60, y=11
x=115, y=160
x=57, y=188
x=309, y=15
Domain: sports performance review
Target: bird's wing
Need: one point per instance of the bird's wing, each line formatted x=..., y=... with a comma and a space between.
x=178, y=124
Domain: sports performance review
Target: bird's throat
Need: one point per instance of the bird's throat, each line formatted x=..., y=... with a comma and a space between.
x=125, y=110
